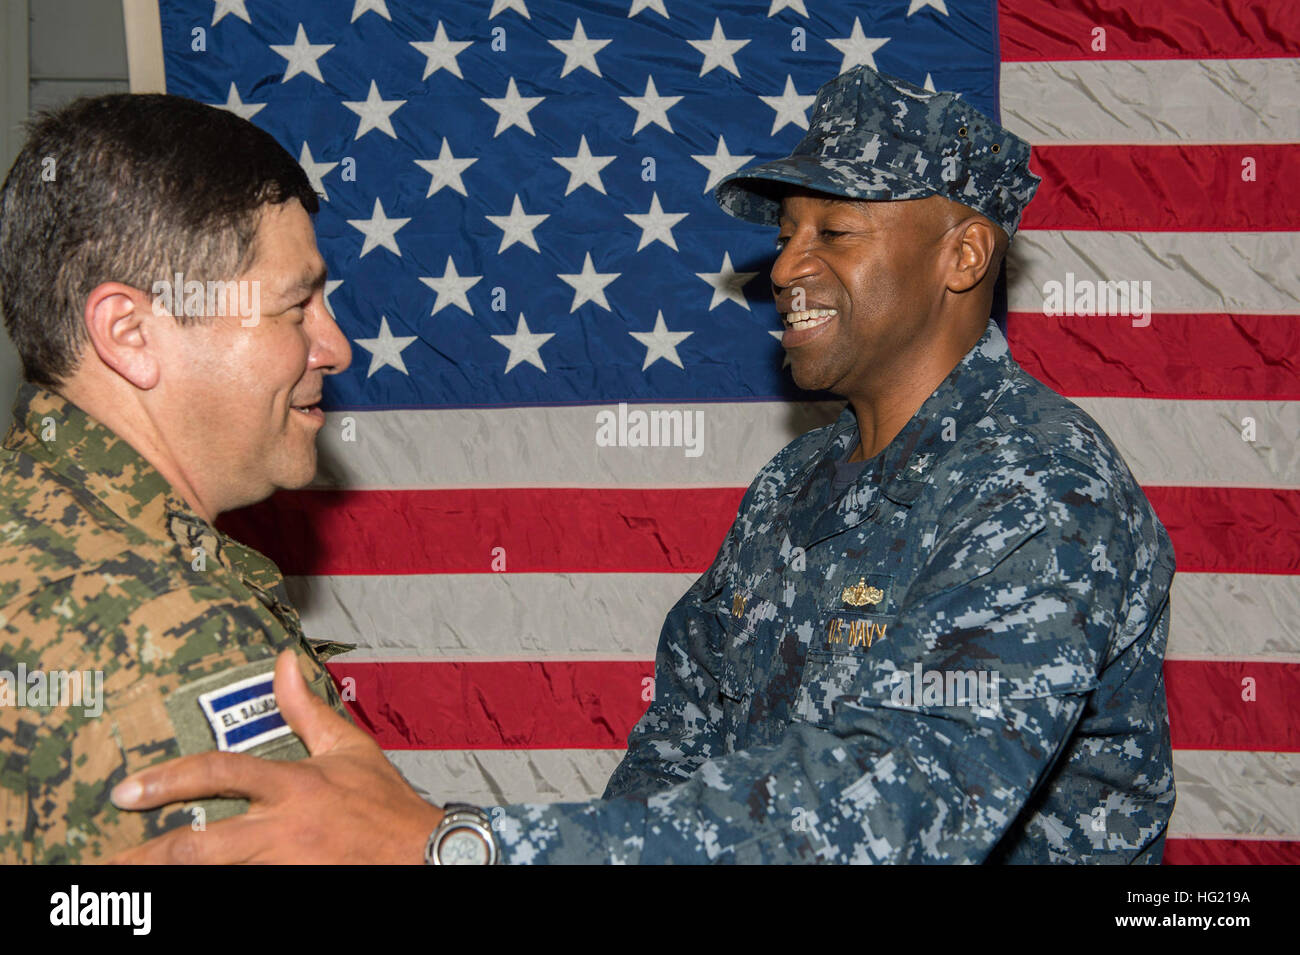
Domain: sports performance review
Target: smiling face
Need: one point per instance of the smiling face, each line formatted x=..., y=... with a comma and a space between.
x=242, y=392
x=860, y=286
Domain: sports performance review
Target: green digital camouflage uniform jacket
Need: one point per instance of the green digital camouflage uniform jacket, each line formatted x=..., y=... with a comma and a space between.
x=106, y=574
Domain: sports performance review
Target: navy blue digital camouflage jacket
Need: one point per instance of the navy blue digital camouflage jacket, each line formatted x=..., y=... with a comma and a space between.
x=957, y=659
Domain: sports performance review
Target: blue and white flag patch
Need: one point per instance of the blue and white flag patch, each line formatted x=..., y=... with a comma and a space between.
x=244, y=714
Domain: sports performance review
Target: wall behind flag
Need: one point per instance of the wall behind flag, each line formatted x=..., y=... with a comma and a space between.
x=52, y=51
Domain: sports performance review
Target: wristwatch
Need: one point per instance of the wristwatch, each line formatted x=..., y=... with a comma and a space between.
x=464, y=837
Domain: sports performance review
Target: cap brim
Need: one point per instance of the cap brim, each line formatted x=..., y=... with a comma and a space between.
x=755, y=194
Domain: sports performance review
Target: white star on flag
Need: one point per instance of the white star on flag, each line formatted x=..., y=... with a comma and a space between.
x=370, y=6
x=386, y=349
x=375, y=112
x=790, y=106
x=517, y=227
x=440, y=53
x=446, y=170
x=584, y=168
x=378, y=230
x=451, y=288
x=721, y=164
x=524, y=345
x=661, y=343
x=857, y=48
x=727, y=284
x=498, y=6
x=916, y=5
x=302, y=56
x=512, y=109
x=651, y=108
x=222, y=7
x=656, y=5
x=234, y=104
x=929, y=83
x=718, y=50
x=795, y=5
x=580, y=51
x=331, y=286
x=589, y=285
x=315, y=170
x=656, y=225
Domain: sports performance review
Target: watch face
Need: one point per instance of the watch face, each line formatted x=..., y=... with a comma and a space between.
x=463, y=847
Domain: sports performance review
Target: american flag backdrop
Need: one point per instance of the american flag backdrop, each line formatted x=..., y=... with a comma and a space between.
x=518, y=223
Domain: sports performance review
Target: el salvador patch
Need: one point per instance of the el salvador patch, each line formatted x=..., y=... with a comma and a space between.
x=232, y=709
x=244, y=714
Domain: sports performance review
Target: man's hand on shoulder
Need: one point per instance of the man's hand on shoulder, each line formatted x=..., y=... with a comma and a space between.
x=346, y=804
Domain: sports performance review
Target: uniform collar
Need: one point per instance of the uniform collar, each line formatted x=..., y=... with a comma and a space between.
x=57, y=433
x=88, y=454
x=903, y=467
x=964, y=397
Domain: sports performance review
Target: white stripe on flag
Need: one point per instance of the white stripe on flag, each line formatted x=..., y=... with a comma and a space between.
x=483, y=615
x=555, y=446
x=1199, y=272
x=1220, y=793
x=496, y=776
x=1224, y=793
x=1199, y=444
x=1152, y=101
x=1165, y=442
x=1235, y=617
x=612, y=616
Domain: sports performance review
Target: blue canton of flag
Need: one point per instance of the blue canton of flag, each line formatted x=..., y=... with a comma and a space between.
x=516, y=203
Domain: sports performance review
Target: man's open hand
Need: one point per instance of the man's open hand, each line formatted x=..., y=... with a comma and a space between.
x=346, y=804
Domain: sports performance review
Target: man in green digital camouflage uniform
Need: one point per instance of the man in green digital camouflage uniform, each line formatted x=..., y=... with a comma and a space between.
x=131, y=630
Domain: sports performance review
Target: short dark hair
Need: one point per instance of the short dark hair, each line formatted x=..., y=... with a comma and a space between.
x=128, y=188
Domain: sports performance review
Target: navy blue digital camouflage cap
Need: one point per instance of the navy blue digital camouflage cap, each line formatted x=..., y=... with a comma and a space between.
x=878, y=137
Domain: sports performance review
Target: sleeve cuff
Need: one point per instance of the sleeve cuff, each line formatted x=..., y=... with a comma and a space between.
x=578, y=833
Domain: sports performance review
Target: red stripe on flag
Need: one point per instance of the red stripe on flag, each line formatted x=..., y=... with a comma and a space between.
x=556, y=530
x=1232, y=852
x=564, y=704
x=586, y=530
x=1231, y=530
x=1247, y=357
x=1207, y=709
x=1166, y=188
x=497, y=705
x=1147, y=29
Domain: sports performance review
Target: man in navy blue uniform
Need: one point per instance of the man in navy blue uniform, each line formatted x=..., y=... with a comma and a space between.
x=935, y=632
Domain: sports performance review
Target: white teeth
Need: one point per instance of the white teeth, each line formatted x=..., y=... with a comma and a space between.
x=810, y=318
